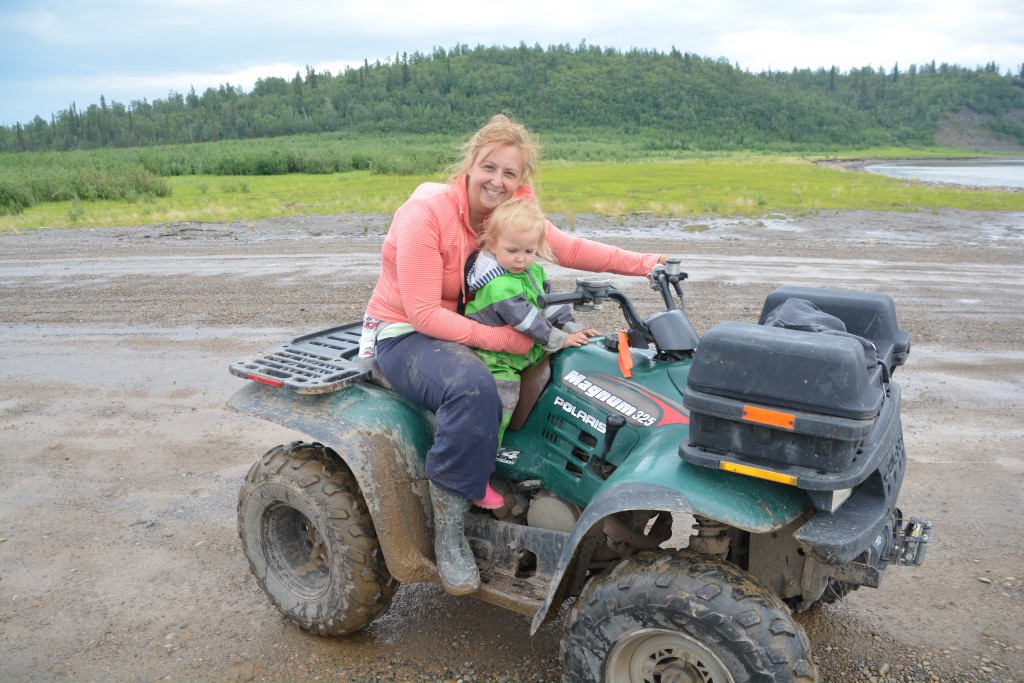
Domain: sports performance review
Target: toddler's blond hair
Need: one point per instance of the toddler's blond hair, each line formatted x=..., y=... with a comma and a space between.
x=515, y=216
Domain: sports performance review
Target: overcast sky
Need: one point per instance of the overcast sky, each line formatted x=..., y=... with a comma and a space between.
x=55, y=52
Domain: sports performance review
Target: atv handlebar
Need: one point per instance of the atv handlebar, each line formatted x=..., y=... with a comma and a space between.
x=666, y=279
x=573, y=297
x=590, y=293
x=592, y=290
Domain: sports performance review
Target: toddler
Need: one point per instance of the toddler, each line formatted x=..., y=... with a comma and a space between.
x=505, y=282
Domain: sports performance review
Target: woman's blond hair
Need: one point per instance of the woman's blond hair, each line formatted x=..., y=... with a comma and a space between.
x=500, y=131
x=516, y=216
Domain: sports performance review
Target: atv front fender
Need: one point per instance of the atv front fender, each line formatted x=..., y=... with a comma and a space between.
x=648, y=480
x=637, y=496
x=383, y=439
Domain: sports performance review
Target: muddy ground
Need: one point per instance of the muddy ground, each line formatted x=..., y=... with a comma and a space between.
x=119, y=558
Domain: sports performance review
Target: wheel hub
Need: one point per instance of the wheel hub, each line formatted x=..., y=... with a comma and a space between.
x=663, y=656
x=295, y=552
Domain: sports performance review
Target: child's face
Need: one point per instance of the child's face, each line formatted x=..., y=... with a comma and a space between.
x=515, y=251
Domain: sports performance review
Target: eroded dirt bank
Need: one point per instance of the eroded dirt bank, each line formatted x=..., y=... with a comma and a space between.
x=119, y=558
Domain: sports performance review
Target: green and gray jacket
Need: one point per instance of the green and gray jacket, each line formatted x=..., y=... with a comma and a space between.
x=504, y=298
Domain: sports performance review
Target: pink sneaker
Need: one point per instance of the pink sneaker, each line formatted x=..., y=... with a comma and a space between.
x=492, y=500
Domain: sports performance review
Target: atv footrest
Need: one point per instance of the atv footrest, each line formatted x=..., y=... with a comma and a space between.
x=315, y=363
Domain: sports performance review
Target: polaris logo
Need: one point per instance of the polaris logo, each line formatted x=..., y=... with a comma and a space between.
x=582, y=416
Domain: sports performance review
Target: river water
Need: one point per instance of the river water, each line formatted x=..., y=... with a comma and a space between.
x=977, y=172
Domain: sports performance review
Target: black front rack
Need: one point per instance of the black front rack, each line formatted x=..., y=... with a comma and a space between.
x=316, y=363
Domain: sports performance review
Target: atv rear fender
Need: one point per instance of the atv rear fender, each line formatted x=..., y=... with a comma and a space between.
x=382, y=438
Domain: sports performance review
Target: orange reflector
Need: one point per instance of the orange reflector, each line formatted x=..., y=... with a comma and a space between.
x=625, y=356
x=266, y=380
x=758, y=472
x=771, y=418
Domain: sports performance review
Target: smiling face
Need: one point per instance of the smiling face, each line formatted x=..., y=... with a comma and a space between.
x=493, y=178
x=515, y=251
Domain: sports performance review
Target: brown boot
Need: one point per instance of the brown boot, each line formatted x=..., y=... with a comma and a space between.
x=455, y=561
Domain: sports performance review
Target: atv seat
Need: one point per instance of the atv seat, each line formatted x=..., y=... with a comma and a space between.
x=532, y=382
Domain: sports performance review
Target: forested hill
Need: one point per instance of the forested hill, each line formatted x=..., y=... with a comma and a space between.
x=672, y=101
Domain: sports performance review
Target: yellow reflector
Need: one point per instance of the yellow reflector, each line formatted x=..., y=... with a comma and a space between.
x=757, y=472
x=771, y=418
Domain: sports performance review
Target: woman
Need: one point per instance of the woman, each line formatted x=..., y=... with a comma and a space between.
x=423, y=345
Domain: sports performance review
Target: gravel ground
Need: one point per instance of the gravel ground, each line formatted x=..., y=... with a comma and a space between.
x=119, y=558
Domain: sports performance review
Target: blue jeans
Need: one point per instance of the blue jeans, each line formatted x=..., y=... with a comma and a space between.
x=451, y=380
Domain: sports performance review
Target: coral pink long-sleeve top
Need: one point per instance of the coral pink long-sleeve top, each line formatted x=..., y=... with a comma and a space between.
x=423, y=257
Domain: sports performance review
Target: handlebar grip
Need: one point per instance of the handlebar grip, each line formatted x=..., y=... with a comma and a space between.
x=545, y=300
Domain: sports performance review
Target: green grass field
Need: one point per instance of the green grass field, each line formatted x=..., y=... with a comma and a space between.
x=720, y=185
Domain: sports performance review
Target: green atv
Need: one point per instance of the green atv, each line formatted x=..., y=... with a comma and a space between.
x=781, y=447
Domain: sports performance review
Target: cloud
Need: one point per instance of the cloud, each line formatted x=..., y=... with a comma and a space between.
x=59, y=51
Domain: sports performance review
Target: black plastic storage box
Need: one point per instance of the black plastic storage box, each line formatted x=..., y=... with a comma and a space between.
x=871, y=315
x=775, y=397
x=808, y=404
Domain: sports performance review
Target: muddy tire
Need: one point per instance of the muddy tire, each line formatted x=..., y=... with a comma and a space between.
x=681, y=616
x=310, y=542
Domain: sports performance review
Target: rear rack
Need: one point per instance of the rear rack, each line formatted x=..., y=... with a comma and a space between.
x=314, y=363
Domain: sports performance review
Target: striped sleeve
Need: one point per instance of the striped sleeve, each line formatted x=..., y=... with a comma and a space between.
x=596, y=257
x=420, y=270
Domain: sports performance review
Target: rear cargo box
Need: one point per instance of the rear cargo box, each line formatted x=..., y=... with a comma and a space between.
x=777, y=398
x=871, y=315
